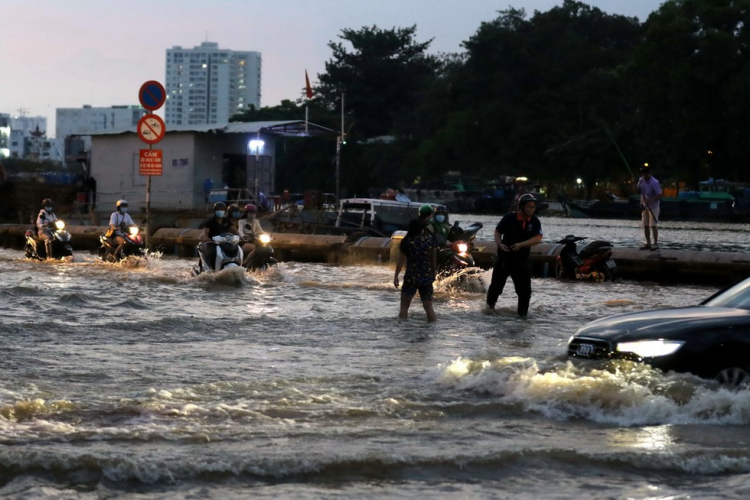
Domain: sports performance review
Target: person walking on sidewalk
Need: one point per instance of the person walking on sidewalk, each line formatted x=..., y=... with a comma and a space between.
x=650, y=191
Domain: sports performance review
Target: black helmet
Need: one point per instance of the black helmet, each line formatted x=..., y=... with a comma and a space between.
x=524, y=199
x=47, y=202
x=220, y=205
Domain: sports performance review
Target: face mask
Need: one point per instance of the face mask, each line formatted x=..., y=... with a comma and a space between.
x=251, y=216
x=48, y=209
x=219, y=213
x=124, y=210
x=235, y=215
x=440, y=218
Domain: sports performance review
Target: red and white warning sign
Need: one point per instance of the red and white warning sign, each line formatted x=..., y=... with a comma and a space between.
x=151, y=129
x=150, y=163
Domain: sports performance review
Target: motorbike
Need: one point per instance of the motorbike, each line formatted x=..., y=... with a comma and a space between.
x=594, y=263
x=36, y=249
x=134, y=245
x=454, y=254
x=223, y=252
x=263, y=257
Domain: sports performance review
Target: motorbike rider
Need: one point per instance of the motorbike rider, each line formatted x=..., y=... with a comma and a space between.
x=249, y=218
x=118, y=222
x=516, y=233
x=45, y=224
x=440, y=226
x=217, y=225
x=233, y=214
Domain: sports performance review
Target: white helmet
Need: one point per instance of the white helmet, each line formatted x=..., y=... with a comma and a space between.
x=121, y=203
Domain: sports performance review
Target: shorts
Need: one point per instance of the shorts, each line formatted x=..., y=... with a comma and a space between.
x=425, y=290
x=649, y=219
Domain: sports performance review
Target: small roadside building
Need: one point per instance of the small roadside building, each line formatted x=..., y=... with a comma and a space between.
x=200, y=164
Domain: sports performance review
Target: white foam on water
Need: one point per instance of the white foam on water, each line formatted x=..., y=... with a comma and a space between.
x=626, y=394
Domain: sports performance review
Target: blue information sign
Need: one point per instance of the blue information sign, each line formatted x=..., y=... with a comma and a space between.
x=152, y=95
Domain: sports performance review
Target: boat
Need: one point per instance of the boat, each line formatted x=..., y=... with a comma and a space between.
x=713, y=201
x=349, y=216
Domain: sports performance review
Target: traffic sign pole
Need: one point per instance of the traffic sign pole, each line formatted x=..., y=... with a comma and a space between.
x=151, y=130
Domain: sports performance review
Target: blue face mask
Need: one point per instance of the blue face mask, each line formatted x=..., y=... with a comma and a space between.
x=235, y=215
x=124, y=210
x=440, y=218
x=48, y=209
x=219, y=213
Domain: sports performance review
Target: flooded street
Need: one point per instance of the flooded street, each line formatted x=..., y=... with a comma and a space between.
x=301, y=382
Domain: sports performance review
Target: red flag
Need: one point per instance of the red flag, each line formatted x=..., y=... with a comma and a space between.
x=308, y=88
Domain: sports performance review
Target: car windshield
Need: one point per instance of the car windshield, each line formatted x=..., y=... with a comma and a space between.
x=736, y=297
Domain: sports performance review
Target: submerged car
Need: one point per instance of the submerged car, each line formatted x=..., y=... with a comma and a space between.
x=711, y=340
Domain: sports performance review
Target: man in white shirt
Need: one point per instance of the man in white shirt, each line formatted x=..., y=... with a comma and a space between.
x=650, y=190
x=118, y=221
x=45, y=224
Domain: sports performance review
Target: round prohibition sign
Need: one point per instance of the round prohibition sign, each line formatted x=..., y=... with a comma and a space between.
x=152, y=95
x=151, y=129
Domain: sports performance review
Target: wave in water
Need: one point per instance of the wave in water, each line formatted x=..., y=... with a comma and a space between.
x=621, y=393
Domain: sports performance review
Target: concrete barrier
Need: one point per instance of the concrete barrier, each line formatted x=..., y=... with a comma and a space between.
x=665, y=266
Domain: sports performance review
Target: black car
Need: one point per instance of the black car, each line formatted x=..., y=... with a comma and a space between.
x=711, y=340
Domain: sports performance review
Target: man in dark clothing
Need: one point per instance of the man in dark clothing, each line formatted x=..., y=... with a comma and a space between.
x=215, y=226
x=516, y=233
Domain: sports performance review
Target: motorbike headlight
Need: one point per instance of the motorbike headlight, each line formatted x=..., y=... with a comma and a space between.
x=264, y=238
x=463, y=247
x=133, y=230
x=651, y=348
x=60, y=225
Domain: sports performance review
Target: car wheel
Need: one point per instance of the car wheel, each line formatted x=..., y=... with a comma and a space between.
x=733, y=376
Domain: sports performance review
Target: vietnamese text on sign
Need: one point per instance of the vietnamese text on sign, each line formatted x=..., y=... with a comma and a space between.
x=150, y=162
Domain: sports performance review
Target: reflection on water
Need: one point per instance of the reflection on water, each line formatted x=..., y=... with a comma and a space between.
x=120, y=379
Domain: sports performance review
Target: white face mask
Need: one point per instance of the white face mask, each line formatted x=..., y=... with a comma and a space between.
x=124, y=210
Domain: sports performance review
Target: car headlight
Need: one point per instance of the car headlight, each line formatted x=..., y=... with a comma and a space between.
x=264, y=238
x=60, y=225
x=133, y=230
x=651, y=348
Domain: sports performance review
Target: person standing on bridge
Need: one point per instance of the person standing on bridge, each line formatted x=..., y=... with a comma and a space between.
x=650, y=191
x=516, y=233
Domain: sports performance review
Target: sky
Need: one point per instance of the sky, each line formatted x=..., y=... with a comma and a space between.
x=68, y=53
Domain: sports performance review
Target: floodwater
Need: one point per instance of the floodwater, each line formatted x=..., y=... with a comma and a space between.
x=300, y=382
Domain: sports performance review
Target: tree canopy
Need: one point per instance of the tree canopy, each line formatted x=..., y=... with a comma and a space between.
x=570, y=92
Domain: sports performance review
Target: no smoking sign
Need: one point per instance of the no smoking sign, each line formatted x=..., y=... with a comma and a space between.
x=151, y=129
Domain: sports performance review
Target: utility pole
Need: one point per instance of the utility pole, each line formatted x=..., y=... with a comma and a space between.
x=339, y=142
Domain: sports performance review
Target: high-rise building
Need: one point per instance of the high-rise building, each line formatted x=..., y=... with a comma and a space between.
x=21, y=127
x=207, y=84
x=4, y=135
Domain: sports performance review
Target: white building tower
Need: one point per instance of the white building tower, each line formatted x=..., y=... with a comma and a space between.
x=207, y=84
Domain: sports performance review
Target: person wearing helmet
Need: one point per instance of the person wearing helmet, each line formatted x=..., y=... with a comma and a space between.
x=233, y=214
x=118, y=223
x=249, y=229
x=515, y=234
x=425, y=212
x=440, y=226
x=44, y=224
x=418, y=250
x=218, y=224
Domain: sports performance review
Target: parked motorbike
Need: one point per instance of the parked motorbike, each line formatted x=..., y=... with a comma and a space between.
x=455, y=254
x=263, y=257
x=36, y=249
x=134, y=245
x=223, y=252
x=594, y=263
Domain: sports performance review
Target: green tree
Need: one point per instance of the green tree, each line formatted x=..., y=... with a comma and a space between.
x=380, y=72
x=691, y=74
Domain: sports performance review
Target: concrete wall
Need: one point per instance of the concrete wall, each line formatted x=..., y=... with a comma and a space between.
x=188, y=159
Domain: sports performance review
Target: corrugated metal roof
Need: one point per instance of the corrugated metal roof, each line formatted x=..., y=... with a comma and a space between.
x=285, y=128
